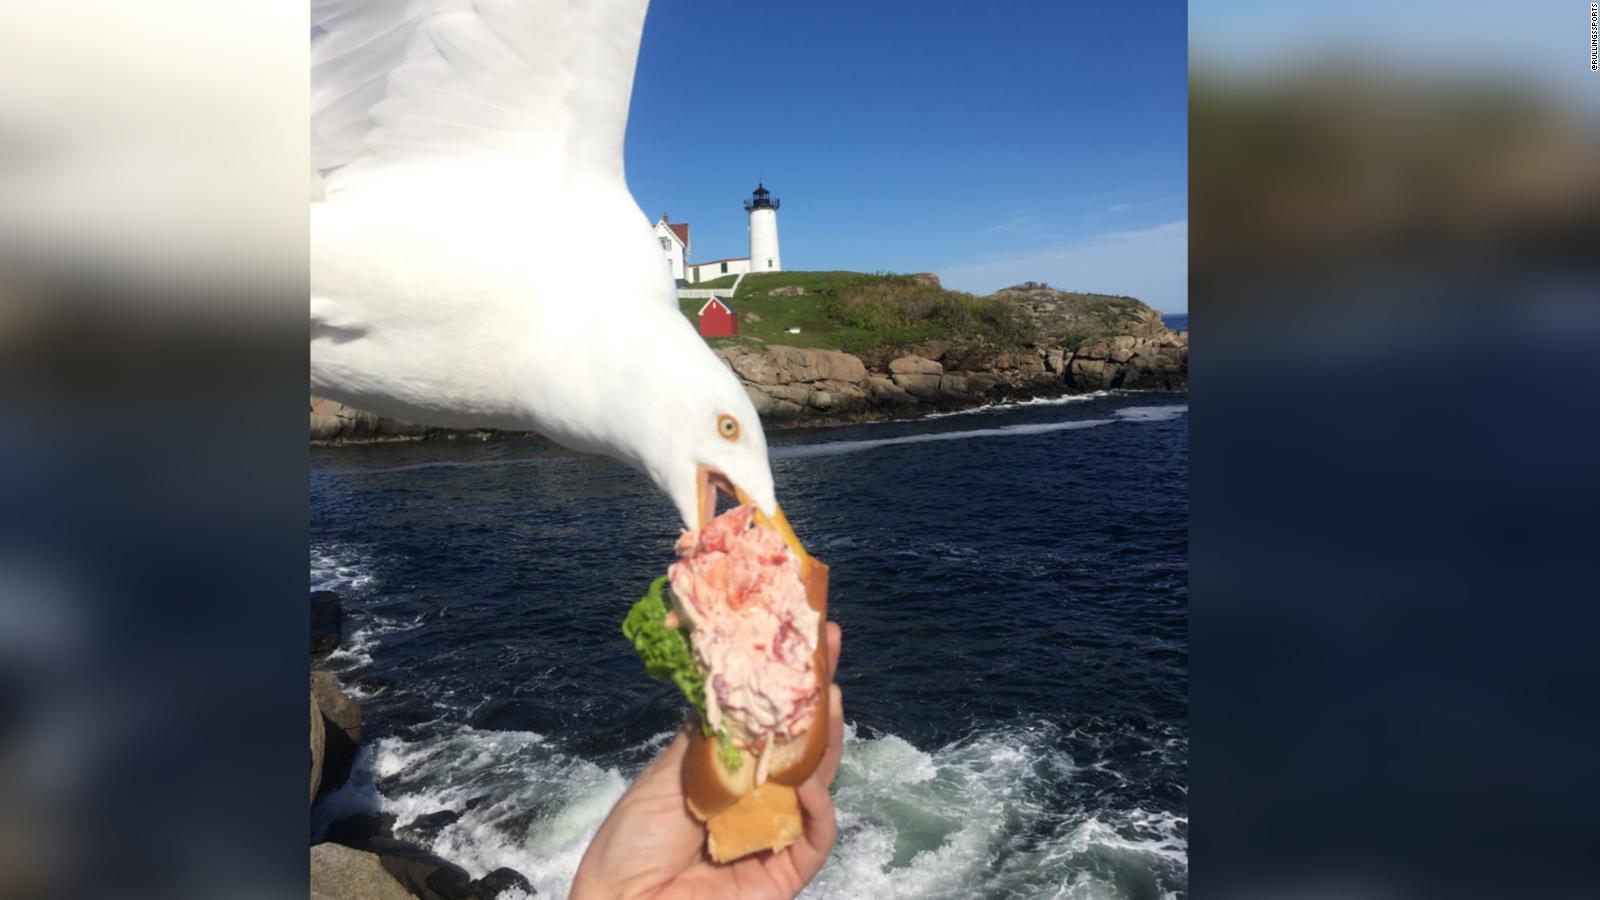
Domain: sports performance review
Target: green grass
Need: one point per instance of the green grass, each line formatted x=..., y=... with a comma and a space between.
x=721, y=281
x=857, y=312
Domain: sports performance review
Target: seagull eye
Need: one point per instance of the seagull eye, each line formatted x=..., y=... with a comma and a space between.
x=728, y=427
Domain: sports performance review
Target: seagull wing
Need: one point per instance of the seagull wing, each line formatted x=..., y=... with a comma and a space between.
x=541, y=85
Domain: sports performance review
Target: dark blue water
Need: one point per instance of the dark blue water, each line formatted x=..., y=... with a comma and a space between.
x=1012, y=588
x=1176, y=321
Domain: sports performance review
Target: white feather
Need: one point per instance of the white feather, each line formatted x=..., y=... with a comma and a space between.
x=476, y=257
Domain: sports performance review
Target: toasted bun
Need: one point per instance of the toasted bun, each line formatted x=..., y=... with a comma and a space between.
x=741, y=817
x=767, y=818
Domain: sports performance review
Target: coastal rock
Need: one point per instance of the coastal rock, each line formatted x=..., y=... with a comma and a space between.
x=984, y=384
x=343, y=873
x=423, y=829
x=424, y=874
x=327, y=621
x=927, y=278
x=883, y=390
x=760, y=399
x=341, y=716
x=788, y=290
x=802, y=384
x=754, y=367
x=1159, y=363
x=360, y=831
x=925, y=386
x=915, y=365
x=333, y=421
x=502, y=879
x=953, y=385
x=1067, y=319
x=318, y=737
x=836, y=365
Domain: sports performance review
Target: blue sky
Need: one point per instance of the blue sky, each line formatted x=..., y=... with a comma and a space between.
x=988, y=142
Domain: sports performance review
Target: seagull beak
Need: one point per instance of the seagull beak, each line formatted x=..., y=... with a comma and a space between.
x=709, y=481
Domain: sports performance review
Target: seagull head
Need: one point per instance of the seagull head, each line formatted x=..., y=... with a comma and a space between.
x=702, y=439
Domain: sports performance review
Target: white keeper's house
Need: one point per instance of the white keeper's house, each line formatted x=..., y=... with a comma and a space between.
x=762, y=209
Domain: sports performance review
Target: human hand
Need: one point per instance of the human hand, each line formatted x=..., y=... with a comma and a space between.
x=651, y=846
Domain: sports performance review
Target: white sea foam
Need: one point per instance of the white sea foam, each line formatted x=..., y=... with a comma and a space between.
x=337, y=567
x=1127, y=414
x=1020, y=404
x=355, y=650
x=834, y=448
x=973, y=818
x=1152, y=413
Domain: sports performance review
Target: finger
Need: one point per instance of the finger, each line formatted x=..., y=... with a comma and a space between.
x=829, y=766
x=821, y=828
x=670, y=760
x=835, y=635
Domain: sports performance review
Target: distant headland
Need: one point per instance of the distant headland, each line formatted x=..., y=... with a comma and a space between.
x=832, y=347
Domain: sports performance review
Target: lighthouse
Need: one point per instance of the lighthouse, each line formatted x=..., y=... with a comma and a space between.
x=763, y=210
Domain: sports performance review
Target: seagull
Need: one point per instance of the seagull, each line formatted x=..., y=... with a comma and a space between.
x=477, y=260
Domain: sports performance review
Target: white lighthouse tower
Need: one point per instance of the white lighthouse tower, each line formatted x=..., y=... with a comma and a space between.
x=763, y=210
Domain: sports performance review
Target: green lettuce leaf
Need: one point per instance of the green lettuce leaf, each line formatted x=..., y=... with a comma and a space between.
x=666, y=655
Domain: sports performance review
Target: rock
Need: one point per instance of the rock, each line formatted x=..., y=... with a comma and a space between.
x=820, y=400
x=327, y=621
x=1065, y=319
x=424, y=874
x=953, y=385
x=1088, y=374
x=361, y=832
x=915, y=365
x=984, y=384
x=883, y=390
x=333, y=421
x=927, y=278
x=748, y=317
x=751, y=365
x=502, y=879
x=343, y=873
x=423, y=829
x=1055, y=360
x=838, y=366
x=788, y=290
x=341, y=716
x=760, y=399
x=318, y=738
x=339, y=708
x=794, y=363
x=370, y=685
x=925, y=387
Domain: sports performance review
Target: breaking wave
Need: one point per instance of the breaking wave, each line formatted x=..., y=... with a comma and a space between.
x=998, y=813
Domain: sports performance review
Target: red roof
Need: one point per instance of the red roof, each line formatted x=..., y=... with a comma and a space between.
x=681, y=229
x=719, y=302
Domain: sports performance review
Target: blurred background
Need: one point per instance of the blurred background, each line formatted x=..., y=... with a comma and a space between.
x=1395, y=230
x=1394, y=220
x=153, y=181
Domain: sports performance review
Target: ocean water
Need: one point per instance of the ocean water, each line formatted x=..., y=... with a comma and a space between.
x=1011, y=583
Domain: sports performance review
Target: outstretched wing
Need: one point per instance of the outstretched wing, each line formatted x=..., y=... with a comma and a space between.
x=543, y=85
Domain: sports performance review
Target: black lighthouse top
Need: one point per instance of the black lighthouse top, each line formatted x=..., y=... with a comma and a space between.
x=761, y=199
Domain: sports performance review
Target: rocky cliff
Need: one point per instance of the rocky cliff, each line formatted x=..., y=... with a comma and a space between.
x=792, y=385
x=1082, y=342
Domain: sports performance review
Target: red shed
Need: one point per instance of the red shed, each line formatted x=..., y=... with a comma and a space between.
x=717, y=319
